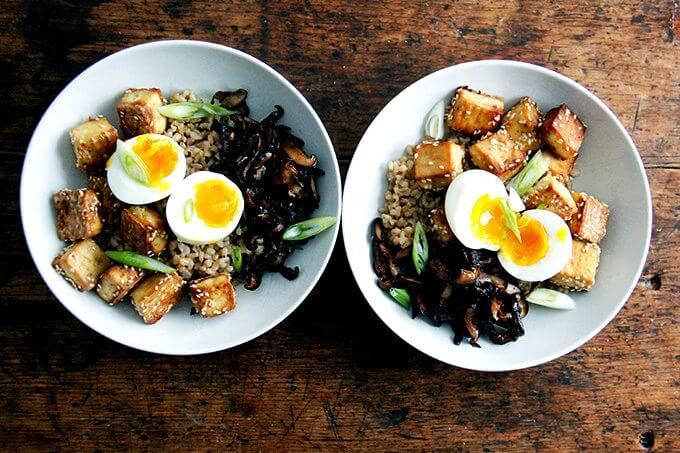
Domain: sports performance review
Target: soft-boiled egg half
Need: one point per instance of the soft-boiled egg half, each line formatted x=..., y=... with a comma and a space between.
x=145, y=168
x=477, y=208
x=204, y=208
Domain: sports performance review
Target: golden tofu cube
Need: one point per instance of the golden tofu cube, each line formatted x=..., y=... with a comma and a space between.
x=156, y=295
x=143, y=229
x=436, y=164
x=590, y=222
x=558, y=167
x=440, y=226
x=563, y=131
x=521, y=122
x=93, y=142
x=138, y=112
x=117, y=281
x=579, y=273
x=81, y=264
x=473, y=112
x=78, y=214
x=111, y=207
x=548, y=193
x=499, y=154
x=213, y=296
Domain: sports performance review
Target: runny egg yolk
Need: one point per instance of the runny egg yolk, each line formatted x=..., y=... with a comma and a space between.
x=488, y=224
x=215, y=203
x=159, y=157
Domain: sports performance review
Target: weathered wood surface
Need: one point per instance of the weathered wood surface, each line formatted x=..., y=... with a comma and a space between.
x=332, y=376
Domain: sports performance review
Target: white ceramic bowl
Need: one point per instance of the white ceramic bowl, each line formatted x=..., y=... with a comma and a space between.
x=172, y=66
x=611, y=170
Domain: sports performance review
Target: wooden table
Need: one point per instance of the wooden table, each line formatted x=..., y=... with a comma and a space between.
x=332, y=375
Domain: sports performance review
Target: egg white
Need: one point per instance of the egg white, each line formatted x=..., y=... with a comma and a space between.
x=195, y=231
x=131, y=191
x=461, y=196
x=559, y=251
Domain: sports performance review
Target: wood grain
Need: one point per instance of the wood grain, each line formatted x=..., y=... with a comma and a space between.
x=332, y=376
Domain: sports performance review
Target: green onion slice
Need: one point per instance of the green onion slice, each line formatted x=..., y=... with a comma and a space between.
x=420, y=250
x=133, y=165
x=434, y=122
x=510, y=218
x=532, y=172
x=188, y=211
x=308, y=228
x=140, y=261
x=401, y=296
x=237, y=258
x=192, y=110
x=551, y=299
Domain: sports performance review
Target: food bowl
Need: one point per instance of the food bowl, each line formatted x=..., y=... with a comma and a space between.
x=173, y=66
x=609, y=167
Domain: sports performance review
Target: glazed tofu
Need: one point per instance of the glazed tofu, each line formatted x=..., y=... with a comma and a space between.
x=521, y=122
x=436, y=164
x=579, y=273
x=93, y=142
x=440, y=226
x=473, y=112
x=562, y=131
x=138, y=112
x=499, y=154
x=548, y=193
x=156, y=295
x=78, y=215
x=111, y=206
x=81, y=264
x=143, y=229
x=117, y=281
x=558, y=167
x=212, y=296
x=590, y=221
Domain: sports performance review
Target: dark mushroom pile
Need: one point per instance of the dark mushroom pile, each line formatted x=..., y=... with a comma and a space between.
x=278, y=180
x=462, y=287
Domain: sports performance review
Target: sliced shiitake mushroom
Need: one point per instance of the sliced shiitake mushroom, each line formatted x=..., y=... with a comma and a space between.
x=466, y=276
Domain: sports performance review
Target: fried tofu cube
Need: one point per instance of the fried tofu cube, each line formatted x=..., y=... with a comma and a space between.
x=521, y=122
x=440, y=226
x=138, y=112
x=81, y=264
x=590, y=222
x=156, y=295
x=212, y=296
x=499, y=154
x=563, y=131
x=78, y=215
x=93, y=142
x=117, y=281
x=143, y=229
x=436, y=164
x=558, y=167
x=110, y=207
x=579, y=273
x=548, y=193
x=474, y=112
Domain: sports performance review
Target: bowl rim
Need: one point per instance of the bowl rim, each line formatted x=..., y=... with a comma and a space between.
x=521, y=364
x=160, y=44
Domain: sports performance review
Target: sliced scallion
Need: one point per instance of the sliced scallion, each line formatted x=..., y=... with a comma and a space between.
x=420, y=250
x=140, y=261
x=191, y=110
x=551, y=299
x=401, y=296
x=308, y=228
x=510, y=218
x=133, y=165
x=530, y=174
x=434, y=123
x=188, y=211
x=237, y=258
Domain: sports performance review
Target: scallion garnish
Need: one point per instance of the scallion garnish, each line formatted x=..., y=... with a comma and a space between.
x=420, y=250
x=401, y=296
x=434, y=122
x=133, y=165
x=308, y=228
x=532, y=172
x=192, y=110
x=510, y=218
x=237, y=258
x=140, y=261
x=188, y=210
x=551, y=299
